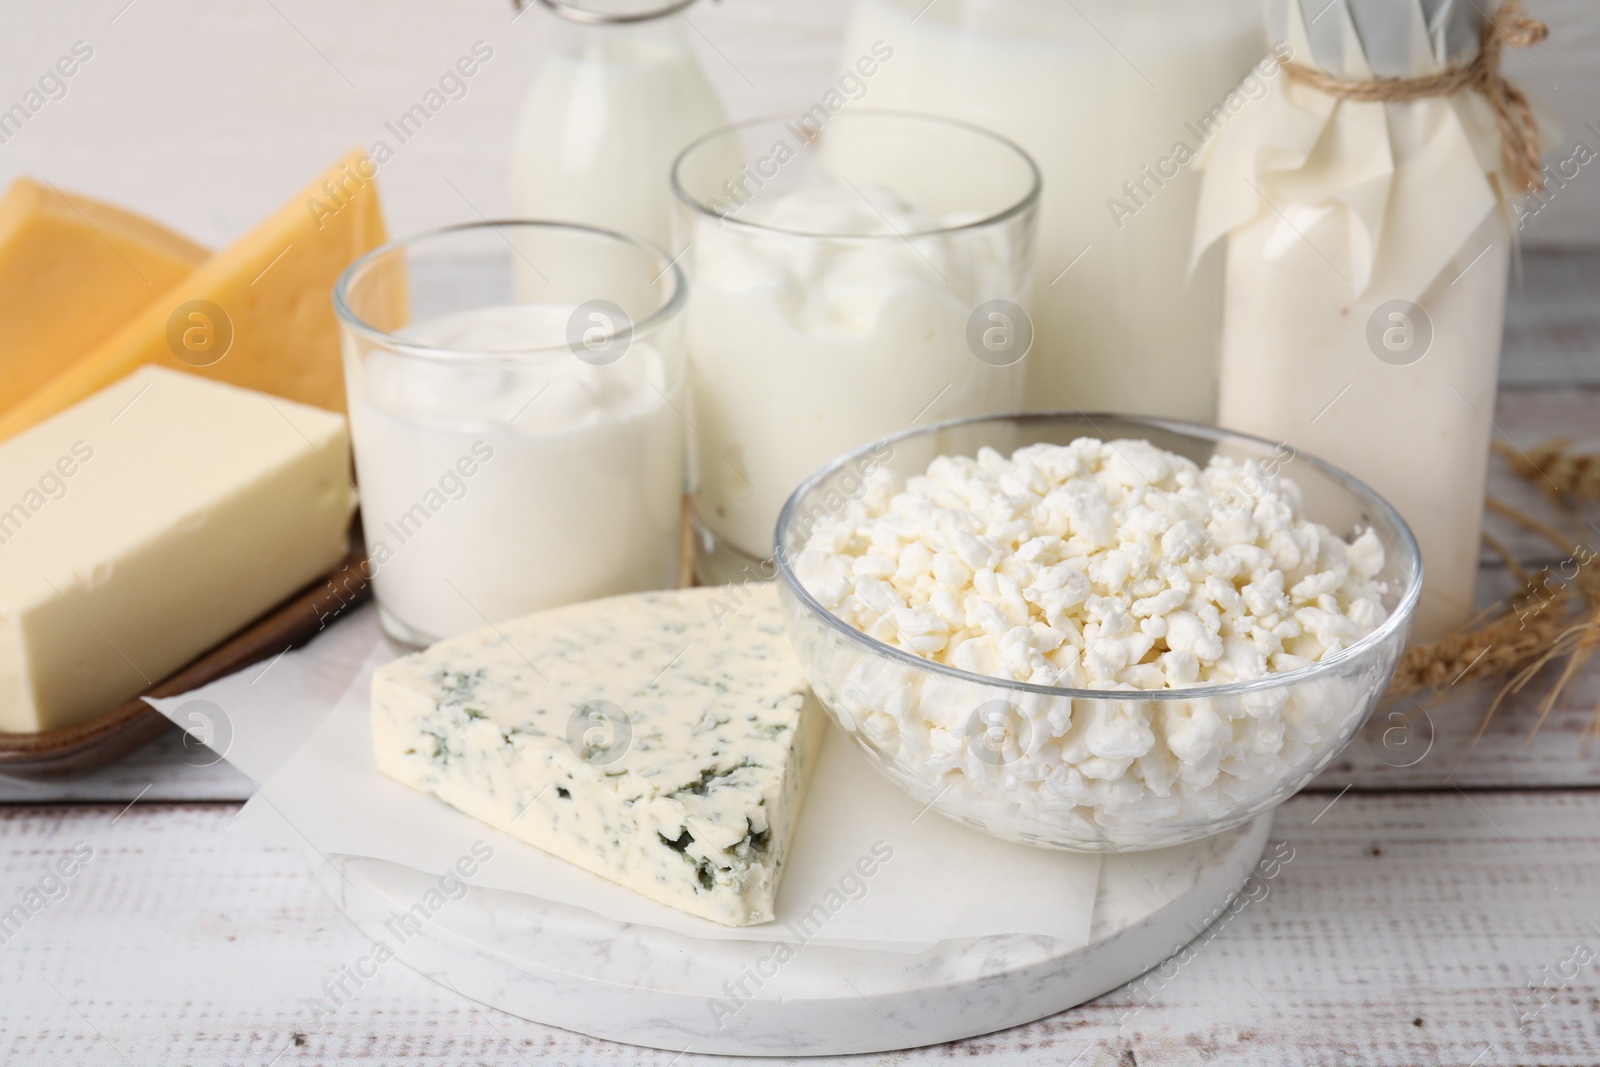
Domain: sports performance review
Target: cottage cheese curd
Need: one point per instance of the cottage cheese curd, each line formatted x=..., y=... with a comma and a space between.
x=1095, y=565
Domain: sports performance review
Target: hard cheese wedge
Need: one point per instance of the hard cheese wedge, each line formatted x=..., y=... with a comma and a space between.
x=72, y=270
x=146, y=524
x=657, y=739
x=258, y=315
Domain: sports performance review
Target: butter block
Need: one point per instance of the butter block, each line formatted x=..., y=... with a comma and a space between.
x=661, y=740
x=72, y=270
x=148, y=523
x=266, y=315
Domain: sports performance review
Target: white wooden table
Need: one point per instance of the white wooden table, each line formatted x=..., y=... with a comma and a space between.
x=1442, y=913
x=1422, y=901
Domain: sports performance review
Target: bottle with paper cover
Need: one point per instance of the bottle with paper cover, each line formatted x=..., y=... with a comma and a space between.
x=1368, y=243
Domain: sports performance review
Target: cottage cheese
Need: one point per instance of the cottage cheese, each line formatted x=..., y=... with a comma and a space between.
x=1095, y=565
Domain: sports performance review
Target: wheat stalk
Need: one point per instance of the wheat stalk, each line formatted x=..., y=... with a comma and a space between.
x=1520, y=636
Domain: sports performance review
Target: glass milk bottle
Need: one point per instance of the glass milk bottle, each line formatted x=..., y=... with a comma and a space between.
x=1365, y=298
x=1113, y=98
x=619, y=94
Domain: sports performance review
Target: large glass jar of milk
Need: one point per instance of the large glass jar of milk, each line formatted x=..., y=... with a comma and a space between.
x=1113, y=98
x=516, y=398
x=854, y=274
x=619, y=94
x=1368, y=247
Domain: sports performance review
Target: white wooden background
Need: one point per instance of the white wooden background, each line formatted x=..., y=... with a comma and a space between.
x=207, y=115
x=1422, y=901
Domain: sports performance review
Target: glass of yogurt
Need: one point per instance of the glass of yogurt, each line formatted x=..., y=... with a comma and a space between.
x=856, y=273
x=516, y=398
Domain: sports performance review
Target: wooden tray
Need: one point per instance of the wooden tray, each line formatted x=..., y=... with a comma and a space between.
x=88, y=745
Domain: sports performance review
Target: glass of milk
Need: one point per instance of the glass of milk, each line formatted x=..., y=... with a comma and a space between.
x=516, y=392
x=619, y=93
x=856, y=273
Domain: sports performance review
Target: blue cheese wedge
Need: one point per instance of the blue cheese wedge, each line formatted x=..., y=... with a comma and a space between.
x=661, y=740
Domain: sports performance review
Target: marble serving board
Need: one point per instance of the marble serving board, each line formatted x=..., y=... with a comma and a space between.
x=572, y=968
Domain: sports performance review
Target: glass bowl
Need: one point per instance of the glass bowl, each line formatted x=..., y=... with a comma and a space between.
x=1009, y=780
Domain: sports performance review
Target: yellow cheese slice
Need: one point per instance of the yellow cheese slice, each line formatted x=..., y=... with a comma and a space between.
x=72, y=270
x=258, y=315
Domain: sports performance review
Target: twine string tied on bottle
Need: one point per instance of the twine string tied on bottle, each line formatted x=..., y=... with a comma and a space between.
x=1519, y=130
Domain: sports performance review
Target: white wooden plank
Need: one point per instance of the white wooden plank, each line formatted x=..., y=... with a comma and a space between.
x=162, y=770
x=1430, y=740
x=1525, y=418
x=1562, y=74
x=1422, y=744
x=181, y=943
x=1552, y=322
x=291, y=85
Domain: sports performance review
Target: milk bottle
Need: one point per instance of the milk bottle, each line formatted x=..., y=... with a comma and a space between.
x=1112, y=98
x=619, y=95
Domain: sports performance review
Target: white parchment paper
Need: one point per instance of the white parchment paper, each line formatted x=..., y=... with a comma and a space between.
x=299, y=727
x=1414, y=179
